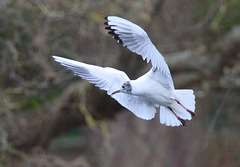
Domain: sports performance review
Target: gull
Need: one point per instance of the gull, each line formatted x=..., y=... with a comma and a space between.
x=148, y=92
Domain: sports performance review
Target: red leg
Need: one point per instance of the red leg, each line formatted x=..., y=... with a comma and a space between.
x=192, y=113
x=180, y=119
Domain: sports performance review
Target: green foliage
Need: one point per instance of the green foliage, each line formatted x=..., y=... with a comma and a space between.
x=35, y=102
x=231, y=16
x=202, y=8
x=31, y=103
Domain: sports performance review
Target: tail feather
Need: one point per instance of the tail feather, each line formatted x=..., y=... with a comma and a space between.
x=168, y=118
x=181, y=112
x=187, y=99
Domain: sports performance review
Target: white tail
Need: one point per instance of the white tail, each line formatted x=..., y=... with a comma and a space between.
x=181, y=110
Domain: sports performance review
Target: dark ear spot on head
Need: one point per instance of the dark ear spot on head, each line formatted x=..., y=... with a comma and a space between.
x=129, y=87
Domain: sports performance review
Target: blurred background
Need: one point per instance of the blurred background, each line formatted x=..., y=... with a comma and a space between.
x=51, y=118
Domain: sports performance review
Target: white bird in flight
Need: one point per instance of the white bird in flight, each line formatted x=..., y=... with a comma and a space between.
x=143, y=95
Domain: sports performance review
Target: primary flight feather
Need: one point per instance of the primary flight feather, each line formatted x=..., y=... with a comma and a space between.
x=143, y=95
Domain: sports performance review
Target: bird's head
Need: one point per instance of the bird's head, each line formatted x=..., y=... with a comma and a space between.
x=125, y=88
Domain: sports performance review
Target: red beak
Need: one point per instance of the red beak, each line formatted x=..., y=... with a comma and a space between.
x=117, y=91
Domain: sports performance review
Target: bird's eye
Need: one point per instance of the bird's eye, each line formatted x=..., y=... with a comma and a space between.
x=123, y=86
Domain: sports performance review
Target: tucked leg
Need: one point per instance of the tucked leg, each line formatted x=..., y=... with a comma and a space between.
x=180, y=119
x=192, y=113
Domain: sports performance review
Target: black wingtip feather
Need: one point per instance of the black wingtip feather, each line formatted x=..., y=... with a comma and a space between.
x=116, y=37
x=120, y=41
x=111, y=32
x=108, y=28
x=106, y=18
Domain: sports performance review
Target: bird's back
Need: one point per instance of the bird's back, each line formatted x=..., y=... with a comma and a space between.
x=154, y=91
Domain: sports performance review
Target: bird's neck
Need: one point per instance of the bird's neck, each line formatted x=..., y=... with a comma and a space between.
x=136, y=87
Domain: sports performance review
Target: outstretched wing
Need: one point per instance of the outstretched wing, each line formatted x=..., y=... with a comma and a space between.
x=110, y=80
x=136, y=39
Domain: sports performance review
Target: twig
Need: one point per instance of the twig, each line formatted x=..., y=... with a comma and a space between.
x=216, y=116
x=207, y=17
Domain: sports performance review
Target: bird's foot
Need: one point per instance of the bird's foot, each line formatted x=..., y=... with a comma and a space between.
x=190, y=112
x=180, y=119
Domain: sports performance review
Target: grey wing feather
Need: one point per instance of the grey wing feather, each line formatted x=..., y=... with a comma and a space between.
x=110, y=80
x=136, y=39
